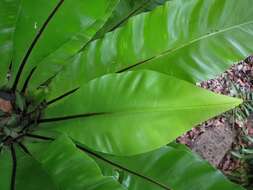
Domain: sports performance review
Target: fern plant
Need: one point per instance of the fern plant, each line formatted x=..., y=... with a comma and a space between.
x=244, y=151
x=85, y=109
x=244, y=174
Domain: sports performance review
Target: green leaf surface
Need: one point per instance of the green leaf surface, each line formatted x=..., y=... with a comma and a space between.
x=5, y=169
x=30, y=19
x=154, y=3
x=190, y=39
x=70, y=168
x=30, y=175
x=60, y=28
x=125, y=10
x=171, y=167
x=133, y=112
x=8, y=13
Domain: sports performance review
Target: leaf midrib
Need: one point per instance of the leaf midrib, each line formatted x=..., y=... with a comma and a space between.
x=165, y=109
x=186, y=45
x=100, y=157
x=92, y=38
x=125, y=169
x=130, y=111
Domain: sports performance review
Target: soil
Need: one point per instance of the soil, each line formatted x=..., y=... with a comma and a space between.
x=214, y=143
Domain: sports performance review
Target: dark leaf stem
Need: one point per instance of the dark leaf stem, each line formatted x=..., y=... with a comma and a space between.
x=23, y=147
x=122, y=168
x=39, y=137
x=117, y=24
x=35, y=40
x=14, y=167
x=47, y=82
x=62, y=96
x=57, y=119
x=129, y=15
x=10, y=66
x=27, y=80
x=135, y=65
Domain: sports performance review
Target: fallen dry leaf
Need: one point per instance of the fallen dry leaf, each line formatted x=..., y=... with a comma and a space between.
x=5, y=106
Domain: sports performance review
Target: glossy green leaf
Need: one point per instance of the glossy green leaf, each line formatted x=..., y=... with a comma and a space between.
x=30, y=175
x=8, y=13
x=60, y=28
x=125, y=10
x=154, y=3
x=133, y=112
x=69, y=167
x=5, y=169
x=31, y=17
x=167, y=168
x=190, y=39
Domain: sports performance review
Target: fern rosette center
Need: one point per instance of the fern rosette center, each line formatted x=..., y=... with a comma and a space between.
x=18, y=116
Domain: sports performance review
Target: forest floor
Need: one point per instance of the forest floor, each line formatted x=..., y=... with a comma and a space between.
x=216, y=138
